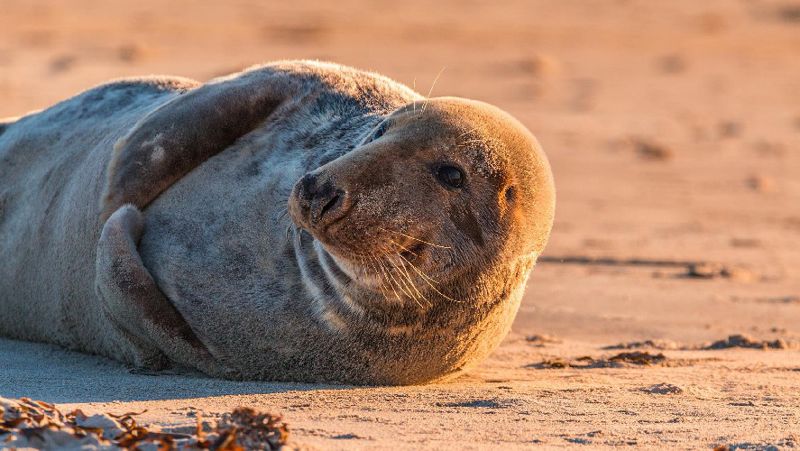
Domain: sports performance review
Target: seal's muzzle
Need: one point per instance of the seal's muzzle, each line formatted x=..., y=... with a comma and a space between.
x=319, y=201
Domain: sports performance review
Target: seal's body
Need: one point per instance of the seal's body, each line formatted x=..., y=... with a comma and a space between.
x=299, y=221
x=52, y=173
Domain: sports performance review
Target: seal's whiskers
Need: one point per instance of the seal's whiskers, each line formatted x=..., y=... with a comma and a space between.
x=397, y=278
x=415, y=238
x=404, y=248
x=373, y=266
x=282, y=214
x=400, y=285
x=407, y=281
x=388, y=281
x=427, y=279
x=417, y=270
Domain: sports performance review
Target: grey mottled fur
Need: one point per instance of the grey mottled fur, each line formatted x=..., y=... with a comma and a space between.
x=124, y=232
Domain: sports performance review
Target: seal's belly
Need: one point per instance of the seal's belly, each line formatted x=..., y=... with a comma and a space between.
x=218, y=244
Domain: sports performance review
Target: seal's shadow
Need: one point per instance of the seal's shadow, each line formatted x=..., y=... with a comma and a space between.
x=53, y=374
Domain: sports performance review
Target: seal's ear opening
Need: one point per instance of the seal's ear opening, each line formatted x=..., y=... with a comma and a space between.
x=181, y=134
x=148, y=328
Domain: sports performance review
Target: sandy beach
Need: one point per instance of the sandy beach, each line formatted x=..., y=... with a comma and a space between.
x=666, y=309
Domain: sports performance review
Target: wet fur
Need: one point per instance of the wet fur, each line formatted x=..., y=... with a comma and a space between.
x=185, y=260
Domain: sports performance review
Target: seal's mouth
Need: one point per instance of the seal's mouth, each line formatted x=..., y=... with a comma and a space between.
x=412, y=251
x=375, y=236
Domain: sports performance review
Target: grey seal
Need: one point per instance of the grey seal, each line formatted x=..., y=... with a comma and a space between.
x=298, y=221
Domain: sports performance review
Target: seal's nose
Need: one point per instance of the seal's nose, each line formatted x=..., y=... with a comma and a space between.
x=321, y=201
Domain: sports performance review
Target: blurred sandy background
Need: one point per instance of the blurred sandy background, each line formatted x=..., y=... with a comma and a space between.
x=674, y=133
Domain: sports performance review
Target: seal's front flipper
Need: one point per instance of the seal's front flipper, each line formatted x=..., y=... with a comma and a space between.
x=148, y=326
x=186, y=131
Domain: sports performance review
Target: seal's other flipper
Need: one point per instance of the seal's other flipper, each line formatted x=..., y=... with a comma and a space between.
x=148, y=325
x=181, y=134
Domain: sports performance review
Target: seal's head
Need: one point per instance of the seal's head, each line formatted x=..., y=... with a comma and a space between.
x=435, y=191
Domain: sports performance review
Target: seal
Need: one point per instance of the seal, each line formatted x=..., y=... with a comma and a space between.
x=298, y=221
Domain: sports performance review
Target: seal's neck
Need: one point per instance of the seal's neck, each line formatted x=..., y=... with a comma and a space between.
x=410, y=343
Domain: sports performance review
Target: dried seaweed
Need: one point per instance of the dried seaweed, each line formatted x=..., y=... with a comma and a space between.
x=745, y=341
x=639, y=358
x=665, y=345
x=542, y=340
x=620, y=360
x=732, y=341
x=37, y=424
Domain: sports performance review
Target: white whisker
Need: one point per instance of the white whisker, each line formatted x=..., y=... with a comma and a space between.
x=415, y=238
x=430, y=91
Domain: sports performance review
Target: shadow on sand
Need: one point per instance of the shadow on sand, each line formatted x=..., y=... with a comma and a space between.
x=52, y=374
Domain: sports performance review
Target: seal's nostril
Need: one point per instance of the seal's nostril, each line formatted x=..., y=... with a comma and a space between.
x=329, y=206
x=319, y=201
x=332, y=203
x=309, y=184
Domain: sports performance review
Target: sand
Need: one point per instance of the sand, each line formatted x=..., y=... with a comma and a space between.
x=673, y=129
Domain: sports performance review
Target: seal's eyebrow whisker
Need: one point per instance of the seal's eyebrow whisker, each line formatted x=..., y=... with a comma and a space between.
x=430, y=91
x=414, y=103
x=415, y=238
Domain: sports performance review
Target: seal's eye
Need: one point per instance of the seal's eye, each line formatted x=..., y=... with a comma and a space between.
x=450, y=176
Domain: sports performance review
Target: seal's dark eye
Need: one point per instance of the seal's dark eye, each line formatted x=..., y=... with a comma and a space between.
x=450, y=176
